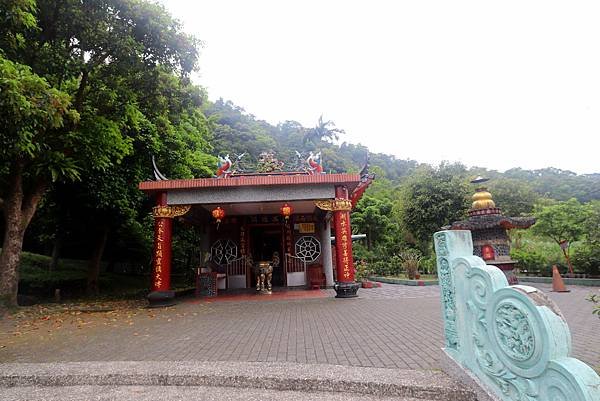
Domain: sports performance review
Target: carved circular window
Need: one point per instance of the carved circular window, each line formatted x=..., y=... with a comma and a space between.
x=223, y=251
x=308, y=248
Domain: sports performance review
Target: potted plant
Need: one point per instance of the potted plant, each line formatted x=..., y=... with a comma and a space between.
x=410, y=262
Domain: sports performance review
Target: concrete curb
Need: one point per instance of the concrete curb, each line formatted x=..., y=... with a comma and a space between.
x=267, y=375
x=588, y=282
x=416, y=283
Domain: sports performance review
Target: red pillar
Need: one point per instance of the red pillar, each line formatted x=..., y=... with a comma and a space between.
x=345, y=286
x=161, y=294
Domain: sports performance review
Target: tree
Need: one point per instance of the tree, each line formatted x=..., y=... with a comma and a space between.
x=16, y=16
x=112, y=59
x=324, y=130
x=432, y=198
x=563, y=223
x=372, y=217
x=516, y=198
x=587, y=255
x=31, y=115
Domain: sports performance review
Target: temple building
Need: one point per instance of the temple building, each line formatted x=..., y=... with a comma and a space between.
x=489, y=229
x=276, y=218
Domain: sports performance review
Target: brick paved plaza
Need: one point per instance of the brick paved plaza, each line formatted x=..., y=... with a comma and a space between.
x=394, y=326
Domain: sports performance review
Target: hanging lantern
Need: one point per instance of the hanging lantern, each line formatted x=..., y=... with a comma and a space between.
x=218, y=214
x=286, y=211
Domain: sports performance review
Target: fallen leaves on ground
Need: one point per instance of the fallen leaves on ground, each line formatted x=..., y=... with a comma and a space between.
x=51, y=318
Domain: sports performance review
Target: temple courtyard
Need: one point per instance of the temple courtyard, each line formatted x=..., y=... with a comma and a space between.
x=389, y=327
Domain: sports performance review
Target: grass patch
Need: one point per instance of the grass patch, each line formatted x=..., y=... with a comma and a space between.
x=71, y=278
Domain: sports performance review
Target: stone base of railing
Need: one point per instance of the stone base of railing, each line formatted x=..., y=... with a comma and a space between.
x=457, y=372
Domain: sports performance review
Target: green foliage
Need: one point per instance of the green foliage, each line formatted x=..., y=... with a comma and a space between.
x=595, y=299
x=550, y=182
x=432, y=198
x=562, y=221
x=323, y=131
x=531, y=261
x=372, y=217
x=70, y=278
x=362, y=270
x=31, y=114
x=586, y=259
x=429, y=265
x=516, y=198
x=16, y=16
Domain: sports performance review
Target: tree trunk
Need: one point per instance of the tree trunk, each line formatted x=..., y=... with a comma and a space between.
x=19, y=208
x=95, y=260
x=10, y=259
x=56, y=247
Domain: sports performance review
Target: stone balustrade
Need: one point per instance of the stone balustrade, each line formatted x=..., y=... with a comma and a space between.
x=512, y=340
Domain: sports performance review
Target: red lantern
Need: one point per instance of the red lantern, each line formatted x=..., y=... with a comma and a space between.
x=218, y=214
x=487, y=252
x=286, y=211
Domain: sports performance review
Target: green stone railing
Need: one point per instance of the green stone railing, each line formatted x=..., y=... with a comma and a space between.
x=513, y=339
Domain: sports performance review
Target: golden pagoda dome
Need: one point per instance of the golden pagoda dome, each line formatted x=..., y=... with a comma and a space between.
x=482, y=199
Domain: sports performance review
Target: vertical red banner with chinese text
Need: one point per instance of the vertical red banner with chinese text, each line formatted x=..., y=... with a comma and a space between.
x=343, y=241
x=161, y=275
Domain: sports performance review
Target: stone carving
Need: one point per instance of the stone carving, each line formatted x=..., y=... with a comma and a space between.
x=513, y=332
x=512, y=338
x=447, y=289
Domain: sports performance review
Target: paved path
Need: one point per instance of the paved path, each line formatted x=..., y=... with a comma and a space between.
x=393, y=326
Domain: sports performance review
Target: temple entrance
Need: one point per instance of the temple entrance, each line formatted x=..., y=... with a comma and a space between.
x=264, y=242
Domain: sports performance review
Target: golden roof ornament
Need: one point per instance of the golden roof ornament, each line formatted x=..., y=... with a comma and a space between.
x=482, y=199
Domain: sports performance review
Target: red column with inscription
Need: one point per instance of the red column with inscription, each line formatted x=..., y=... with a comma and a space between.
x=345, y=286
x=161, y=294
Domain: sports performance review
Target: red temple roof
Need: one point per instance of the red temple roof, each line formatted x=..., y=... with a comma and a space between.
x=267, y=179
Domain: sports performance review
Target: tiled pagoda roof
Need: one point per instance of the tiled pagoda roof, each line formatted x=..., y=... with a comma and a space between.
x=480, y=222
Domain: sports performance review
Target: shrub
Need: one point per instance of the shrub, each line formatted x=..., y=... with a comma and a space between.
x=531, y=261
x=587, y=260
x=429, y=265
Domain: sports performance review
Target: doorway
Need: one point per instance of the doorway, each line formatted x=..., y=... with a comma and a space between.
x=264, y=241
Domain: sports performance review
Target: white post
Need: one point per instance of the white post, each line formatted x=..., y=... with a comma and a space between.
x=326, y=251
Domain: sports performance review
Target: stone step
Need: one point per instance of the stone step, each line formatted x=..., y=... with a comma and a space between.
x=178, y=393
x=333, y=380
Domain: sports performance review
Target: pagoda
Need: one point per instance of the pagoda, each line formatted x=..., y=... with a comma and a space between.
x=489, y=229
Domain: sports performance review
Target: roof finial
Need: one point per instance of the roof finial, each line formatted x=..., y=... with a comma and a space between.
x=482, y=199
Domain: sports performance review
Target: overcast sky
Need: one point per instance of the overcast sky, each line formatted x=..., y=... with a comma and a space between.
x=495, y=84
